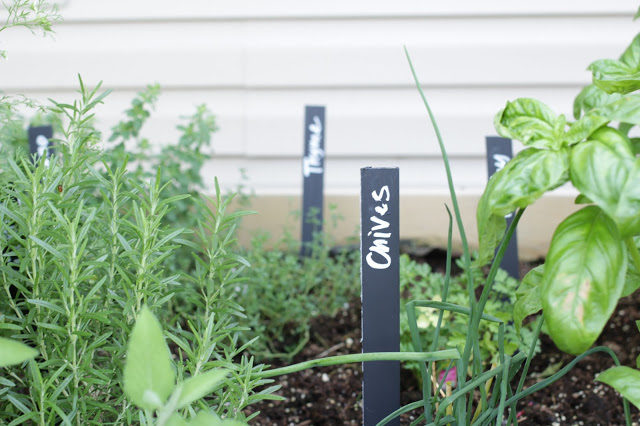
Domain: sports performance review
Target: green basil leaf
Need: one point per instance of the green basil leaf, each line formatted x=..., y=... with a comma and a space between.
x=528, y=300
x=625, y=380
x=526, y=177
x=605, y=170
x=625, y=110
x=584, y=127
x=591, y=97
x=531, y=122
x=199, y=386
x=149, y=377
x=583, y=278
x=523, y=180
x=582, y=199
x=619, y=76
x=632, y=279
x=13, y=352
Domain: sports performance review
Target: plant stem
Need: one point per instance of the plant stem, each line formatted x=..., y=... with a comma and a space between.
x=366, y=357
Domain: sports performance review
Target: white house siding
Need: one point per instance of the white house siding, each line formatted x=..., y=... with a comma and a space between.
x=257, y=63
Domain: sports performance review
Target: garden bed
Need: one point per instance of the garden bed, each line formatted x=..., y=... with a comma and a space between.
x=332, y=395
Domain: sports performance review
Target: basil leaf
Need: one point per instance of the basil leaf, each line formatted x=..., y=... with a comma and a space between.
x=605, y=170
x=583, y=278
x=531, y=122
x=149, y=377
x=619, y=76
x=625, y=380
x=585, y=126
x=591, y=97
x=523, y=180
x=528, y=300
x=632, y=279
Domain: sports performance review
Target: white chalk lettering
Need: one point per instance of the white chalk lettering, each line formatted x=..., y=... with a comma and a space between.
x=378, y=256
x=42, y=149
x=499, y=161
x=312, y=162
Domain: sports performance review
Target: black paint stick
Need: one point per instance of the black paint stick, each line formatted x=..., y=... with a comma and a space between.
x=499, y=152
x=380, y=275
x=313, y=176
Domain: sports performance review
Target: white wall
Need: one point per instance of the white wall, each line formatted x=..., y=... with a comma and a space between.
x=257, y=63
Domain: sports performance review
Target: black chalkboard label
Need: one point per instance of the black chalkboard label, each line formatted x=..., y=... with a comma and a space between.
x=312, y=175
x=380, y=275
x=499, y=152
x=40, y=141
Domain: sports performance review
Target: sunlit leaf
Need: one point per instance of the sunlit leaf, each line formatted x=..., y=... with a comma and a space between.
x=625, y=380
x=149, y=377
x=14, y=352
x=583, y=278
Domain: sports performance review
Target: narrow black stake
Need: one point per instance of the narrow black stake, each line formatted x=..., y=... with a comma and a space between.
x=499, y=152
x=313, y=176
x=40, y=141
x=380, y=277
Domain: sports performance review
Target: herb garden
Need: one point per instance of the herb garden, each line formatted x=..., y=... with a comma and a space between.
x=127, y=298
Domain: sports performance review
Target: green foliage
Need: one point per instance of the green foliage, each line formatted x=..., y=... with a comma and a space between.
x=582, y=283
x=13, y=352
x=36, y=16
x=86, y=242
x=593, y=259
x=149, y=378
x=419, y=282
x=283, y=291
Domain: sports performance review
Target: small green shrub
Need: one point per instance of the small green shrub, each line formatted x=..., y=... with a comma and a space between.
x=282, y=292
x=86, y=242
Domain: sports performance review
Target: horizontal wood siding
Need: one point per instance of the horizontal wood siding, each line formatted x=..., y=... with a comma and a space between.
x=256, y=64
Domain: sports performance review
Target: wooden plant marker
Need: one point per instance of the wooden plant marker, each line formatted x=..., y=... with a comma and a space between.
x=499, y=152
x=312, y=175
x=380, y=278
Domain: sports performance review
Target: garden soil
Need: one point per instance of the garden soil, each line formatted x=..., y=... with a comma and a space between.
x=332, y=395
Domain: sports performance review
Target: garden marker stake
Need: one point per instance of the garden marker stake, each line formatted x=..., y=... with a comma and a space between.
x=380, y=277
x=312, y=176
x=499, y=152
x=40, y=141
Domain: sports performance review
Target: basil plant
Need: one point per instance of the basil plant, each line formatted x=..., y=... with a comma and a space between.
x=593, y=259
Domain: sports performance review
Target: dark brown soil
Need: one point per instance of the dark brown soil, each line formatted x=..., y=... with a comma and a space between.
x=332, y=395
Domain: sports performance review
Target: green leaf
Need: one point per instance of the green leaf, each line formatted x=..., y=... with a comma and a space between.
x=626, y=109
x=204, y=418
x=625, y=380
x=528, y=300
x=14, y=352
x=149, y=377
x=632, y=278
x=583, y=278
x=584, y=127
x=199, y=386
x=523, y=180
x=176, y=420
x=591, y=97
x=605, y=170
x=582, y=199
x=531, y=122
x=619, y=76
